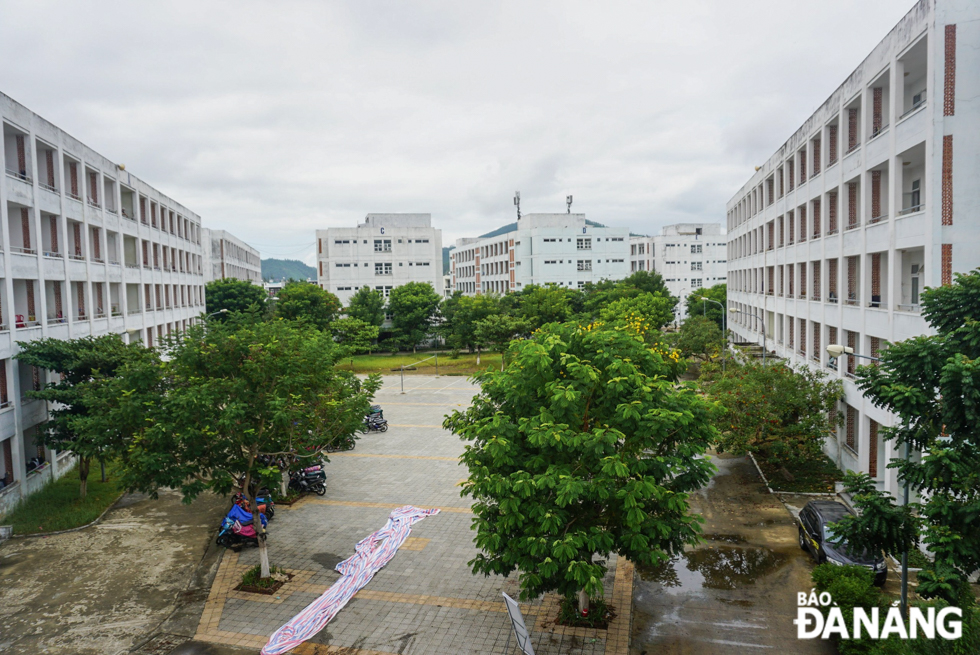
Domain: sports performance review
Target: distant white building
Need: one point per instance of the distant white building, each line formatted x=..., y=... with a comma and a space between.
x=447, y=286
x=227, y=256
x=641, y=254
x=557, y=249
x=383, y=252
x=690, y=256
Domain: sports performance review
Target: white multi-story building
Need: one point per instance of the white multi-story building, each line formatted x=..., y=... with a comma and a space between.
x=690, y=256
x=86, y=248
x=383, y=252
x=227, y=256
x=543, y=249
x=642, y=252
x=873, y=199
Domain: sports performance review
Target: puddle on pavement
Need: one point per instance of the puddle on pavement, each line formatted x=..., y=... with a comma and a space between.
x=327, y=560
x=714, y=567
x=727, y=538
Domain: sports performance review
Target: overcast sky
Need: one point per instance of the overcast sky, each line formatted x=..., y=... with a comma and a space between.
x=273, y=119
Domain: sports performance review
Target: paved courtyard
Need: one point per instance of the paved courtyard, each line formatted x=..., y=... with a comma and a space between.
x=426, y=600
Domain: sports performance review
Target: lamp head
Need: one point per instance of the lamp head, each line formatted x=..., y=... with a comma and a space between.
x=836, y=350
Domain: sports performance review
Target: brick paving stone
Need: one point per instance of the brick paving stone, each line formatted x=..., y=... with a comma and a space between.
x=426, y=600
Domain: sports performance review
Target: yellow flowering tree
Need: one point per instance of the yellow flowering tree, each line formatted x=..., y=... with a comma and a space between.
x=647, y=311
x=581, y=447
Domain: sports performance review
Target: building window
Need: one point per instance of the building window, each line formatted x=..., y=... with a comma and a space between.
x=583, y=243
x=382, y=268
x=585, y=264
x=696, y=249
x=696, y=282
x=695, y=266
x=382, y=245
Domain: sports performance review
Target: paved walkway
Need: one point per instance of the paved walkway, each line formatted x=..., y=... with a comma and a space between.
x=426, y=600
x=736, y=592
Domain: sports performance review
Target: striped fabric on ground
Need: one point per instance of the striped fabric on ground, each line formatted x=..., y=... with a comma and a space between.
x=372, y=553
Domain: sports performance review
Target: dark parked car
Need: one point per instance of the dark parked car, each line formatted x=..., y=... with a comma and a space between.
x=825, y=546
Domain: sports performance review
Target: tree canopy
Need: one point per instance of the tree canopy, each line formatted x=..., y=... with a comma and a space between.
x=656, y=309
x=698, y=307
x=413, y=309
x=931, y=383
x=700, y=336
x=582, y=446
x=234, y=295
x=230, y=395
x=302, y=301
x=774, y=411
x=367, y=305
x=74, y=424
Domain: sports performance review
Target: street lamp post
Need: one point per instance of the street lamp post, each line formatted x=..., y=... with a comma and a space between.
x=220, y=311
x=836, y=350
x=762, y=323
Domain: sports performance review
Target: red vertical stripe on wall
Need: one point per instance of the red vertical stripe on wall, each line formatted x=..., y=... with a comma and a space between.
x=949, y=77
x=947, y=180
x=947, y=264
x=21, y=155
x=25, y=226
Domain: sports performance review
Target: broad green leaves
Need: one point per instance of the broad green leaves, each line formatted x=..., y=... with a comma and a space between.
x=583, y=446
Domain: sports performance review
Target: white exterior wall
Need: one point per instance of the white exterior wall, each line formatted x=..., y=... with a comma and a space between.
x=351, y=258
x=908, y=146
x=642, y=254
x=690, y=256
x=230, y=257
x=545, y=249
x=92, y=242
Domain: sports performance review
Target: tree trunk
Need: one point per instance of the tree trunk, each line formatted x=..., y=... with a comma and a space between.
x=284, y=485
x=477, y=356
x=259, y=530
x=583, y=602
x=83, y=466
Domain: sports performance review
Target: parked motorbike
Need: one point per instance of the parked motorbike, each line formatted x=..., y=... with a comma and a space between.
x=375, y=425
x=309, y=480
x=264, y=500
x=237, y=529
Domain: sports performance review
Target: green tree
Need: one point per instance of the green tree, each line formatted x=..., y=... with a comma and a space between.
x=229, y=397
x=496, y=331
x=781, y=414
x=354, y=335
x=582, y=446
x=74, y=426
x=413, y=308
x=700, y=336
x=931, y=383
x=698, y=307
x=233, y=295
x=461, y=315
x=657, y=309
x=598, y=295
x=302, y=301
x=539, y=305
x=367, y=305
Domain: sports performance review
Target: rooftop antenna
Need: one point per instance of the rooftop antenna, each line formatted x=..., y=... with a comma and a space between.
x=568, y=203
x=517, y=203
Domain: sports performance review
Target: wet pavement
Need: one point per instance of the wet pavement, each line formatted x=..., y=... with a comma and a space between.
x=736, y=592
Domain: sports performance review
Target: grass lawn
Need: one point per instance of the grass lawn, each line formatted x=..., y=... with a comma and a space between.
x=817, y=476
x=58, y=507
x=465, y=364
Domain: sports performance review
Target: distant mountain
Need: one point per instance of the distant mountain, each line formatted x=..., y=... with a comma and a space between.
x=284, y=269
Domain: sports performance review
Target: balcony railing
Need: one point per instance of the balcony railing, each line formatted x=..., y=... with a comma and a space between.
x=30, y=322
x=99, y=314
x=136, y=266
x=113, y=262
x=134, y=310
x=111, y=210
x=876, y=133
x=853, y=226
x=57, y=320
x=52, y=253
x=832, y=231
x=77, y=257
x=856, y=146
x=832, y=297
x=73, y=196
x=23, y=251
x=98, y=260
x=19, y=175
x=913, y=308
x=127, y=214
x=94, y=203
x=852, y=300
x=878, y=219
x=47, y=187
x=915, y=107
x=911, y=210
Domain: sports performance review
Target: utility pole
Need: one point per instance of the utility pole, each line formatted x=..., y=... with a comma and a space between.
x=517, y=203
